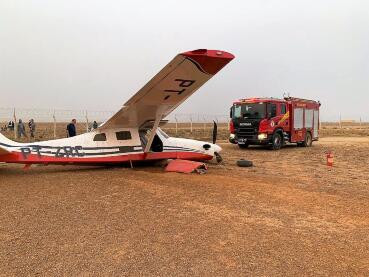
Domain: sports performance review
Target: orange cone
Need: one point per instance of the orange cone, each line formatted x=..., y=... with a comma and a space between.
x=330, y=159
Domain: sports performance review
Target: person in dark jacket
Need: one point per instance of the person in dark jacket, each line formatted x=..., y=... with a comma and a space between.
x=94, y=125
x=71, y=129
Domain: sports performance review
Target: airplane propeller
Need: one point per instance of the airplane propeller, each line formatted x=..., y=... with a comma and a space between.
x=215, y=134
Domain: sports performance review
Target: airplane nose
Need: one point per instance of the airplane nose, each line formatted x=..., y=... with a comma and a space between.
x=217, y=148
x=212, y=147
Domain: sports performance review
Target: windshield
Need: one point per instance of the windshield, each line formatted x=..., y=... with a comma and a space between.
x=163, y=133
x=251, y=110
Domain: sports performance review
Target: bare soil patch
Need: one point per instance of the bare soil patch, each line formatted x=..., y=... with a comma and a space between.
x=290, y=214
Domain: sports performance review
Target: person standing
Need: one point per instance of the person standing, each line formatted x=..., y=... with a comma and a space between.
x=32, y=127
x=71, y=128
x=11, y=125
x=21, y=129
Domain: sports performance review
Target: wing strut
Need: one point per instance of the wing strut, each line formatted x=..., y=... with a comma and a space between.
x=153, y=131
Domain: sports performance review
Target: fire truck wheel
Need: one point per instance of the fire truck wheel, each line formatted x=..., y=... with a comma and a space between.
x=243, y=146
x=244, y=163
x=308, y=140
x=277, y=141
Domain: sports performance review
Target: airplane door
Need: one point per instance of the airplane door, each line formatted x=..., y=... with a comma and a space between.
x=100, y=141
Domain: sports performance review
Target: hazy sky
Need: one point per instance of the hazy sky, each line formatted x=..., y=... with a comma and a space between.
x=94, y=55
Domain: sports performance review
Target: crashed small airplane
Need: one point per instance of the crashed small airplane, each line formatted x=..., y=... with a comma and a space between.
x=133, y=133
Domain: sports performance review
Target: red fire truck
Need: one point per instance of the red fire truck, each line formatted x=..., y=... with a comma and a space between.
x=274, y=122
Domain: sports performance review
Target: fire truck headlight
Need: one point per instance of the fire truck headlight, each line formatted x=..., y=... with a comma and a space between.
x=232, y=136
x=262, y=136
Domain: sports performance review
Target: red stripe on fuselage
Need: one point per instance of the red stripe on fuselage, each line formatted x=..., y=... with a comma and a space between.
x=17, y=157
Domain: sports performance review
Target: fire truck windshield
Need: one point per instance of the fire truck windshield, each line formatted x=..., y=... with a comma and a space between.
x=249, y=110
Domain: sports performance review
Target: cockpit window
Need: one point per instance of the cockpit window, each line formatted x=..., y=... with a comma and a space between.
x=163, y=133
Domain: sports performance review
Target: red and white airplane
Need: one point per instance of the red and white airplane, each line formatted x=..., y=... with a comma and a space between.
x=133, y=133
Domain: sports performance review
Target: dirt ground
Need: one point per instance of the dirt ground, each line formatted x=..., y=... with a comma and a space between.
x=290, y=214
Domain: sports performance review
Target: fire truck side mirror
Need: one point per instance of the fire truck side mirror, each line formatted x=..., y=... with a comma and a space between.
x=230, y=113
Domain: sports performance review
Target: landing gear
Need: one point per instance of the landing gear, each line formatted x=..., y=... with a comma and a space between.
x=277, y=141
x=308, y=140
x=218, y=157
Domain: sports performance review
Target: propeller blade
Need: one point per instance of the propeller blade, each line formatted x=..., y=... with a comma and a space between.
x=215, y=132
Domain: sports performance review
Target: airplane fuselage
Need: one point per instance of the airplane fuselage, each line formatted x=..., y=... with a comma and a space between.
x=111, y=146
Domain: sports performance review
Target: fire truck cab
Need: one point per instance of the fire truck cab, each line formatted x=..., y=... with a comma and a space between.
x=274, y=122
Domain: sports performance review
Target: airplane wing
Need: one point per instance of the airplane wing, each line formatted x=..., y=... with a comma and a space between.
x=169, y=88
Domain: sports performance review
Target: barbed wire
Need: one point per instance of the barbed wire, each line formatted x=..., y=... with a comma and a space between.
x=49, y=115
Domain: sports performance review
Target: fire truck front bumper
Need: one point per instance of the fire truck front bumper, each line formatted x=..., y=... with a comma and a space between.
x=260, y=139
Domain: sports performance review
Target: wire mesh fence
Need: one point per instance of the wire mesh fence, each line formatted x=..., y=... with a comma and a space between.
x=51, y=115
x=55, y=119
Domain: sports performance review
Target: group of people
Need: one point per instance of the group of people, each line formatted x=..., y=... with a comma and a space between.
x=9, y=126
x=21, y=128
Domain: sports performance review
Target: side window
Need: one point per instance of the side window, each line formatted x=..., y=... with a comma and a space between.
x=236, y=112
x=100, y=137
x=272, y=110
x=123, y=135
x=283, y=108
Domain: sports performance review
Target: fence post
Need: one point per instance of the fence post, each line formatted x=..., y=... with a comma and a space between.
x=175, y=117
x=203, y=117
x=191, y=123
x=87, y=129
x=15, y=124
x=54, y=119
